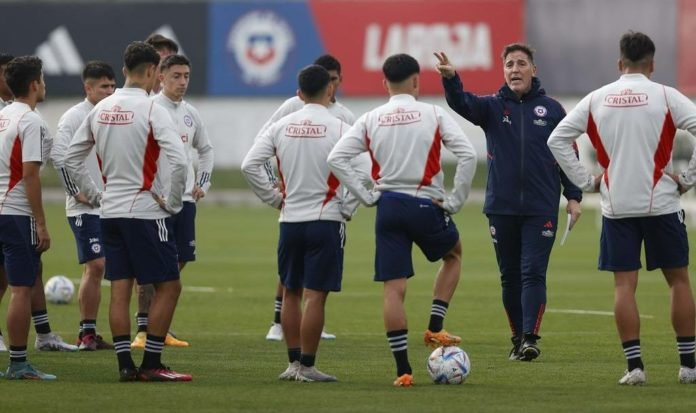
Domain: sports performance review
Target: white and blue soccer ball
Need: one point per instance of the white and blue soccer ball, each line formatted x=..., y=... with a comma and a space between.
x=449, y=365
x=59, y=289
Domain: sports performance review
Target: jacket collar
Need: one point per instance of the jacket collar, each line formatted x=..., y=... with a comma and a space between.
x=506, y=93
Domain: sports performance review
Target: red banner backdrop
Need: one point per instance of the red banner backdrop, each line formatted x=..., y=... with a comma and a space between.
x=687, y=47
x=362, y=33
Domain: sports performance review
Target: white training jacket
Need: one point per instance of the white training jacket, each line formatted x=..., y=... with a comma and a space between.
x=294, y=104
x=128, y=131
x=632, y=124
x=24, y=137
x=68, y=124
x=187, y=121
x=404, y=139
x=300, y=142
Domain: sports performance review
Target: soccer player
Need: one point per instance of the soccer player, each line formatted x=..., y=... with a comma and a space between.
x=404, y=138
x=292, y=105
x=99, y=82
x=6, y=98
x=632, y=123
x=165, y=47
x=174, y=77
x=130, y=132
x=46, y=340
x=23, y=231
x=312, y=216
x=523, y=186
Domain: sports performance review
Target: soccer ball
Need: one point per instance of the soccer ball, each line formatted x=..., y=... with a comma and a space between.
x=449, y=365
x=59, y=289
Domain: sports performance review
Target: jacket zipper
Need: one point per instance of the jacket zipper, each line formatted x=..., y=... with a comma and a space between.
x=521, y=155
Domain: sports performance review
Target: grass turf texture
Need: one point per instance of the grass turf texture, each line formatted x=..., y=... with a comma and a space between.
x=235, y=368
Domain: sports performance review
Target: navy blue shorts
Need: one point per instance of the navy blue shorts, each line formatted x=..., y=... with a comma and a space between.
x=87, y=232
x=184, y=224
x=666, y=243
x=403, y=220
x=18, y=240
x=310, y=255
x=139, y=248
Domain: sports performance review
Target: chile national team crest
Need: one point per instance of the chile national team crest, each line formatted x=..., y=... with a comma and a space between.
x=260, y=42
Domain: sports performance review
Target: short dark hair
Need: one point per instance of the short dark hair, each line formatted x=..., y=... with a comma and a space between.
x=160, y=43
x=138, y=54
x=20, y=72
x=519, y=47
x=328, y=62
x=5, y=58
x=96, y=69
x=312, y=80
x=172, y=60
x=400, y=67
x=636, y=48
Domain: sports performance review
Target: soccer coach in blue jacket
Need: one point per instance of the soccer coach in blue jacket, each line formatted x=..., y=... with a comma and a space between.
x=523, y=187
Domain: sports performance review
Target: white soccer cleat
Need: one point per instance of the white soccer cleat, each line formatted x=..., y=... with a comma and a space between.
x=310, y=374
x=3, y=347
x=327, y=336
x=687, y=375
x=275, y=333
x=635, y=377
x=291, y=372
x=52, y=342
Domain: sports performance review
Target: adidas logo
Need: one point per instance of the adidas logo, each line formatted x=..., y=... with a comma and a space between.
x=59, y=54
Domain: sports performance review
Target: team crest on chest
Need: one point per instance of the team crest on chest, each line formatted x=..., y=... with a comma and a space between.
x=188, y=121
x=540, y=111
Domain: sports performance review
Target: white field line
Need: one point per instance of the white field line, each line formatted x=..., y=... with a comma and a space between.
x=190, y=288
x=203, y=289
x=588, y=312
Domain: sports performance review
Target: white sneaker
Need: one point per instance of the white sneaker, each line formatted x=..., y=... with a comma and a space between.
x=291, y=372
x=635, y=377
x=275, y=333
x=3, y=347
x=687, y=375
x=52, y=342
x=310, y=374
x=327, y=336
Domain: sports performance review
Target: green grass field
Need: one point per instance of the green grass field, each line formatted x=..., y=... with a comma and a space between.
x=235, y=368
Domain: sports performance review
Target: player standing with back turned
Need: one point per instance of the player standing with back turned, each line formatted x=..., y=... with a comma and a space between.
x=632, y=124
x=404, y=139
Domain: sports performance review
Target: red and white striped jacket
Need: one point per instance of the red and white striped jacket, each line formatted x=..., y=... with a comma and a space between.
x=24, y=137
x=631, y=123
x=404, y=138
x=301, y=142
x=129, y=130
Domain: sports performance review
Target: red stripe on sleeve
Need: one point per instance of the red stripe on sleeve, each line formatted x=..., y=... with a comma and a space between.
x=375, y=165
x=152, y=151
x=663, y=153
x=333, y=183
x=101, y=170
x=282, y=178
x=602, y=157
x=432, y=165
x=16, y=167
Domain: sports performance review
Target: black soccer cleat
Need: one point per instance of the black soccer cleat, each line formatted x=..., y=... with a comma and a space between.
x=128, y=374
x=516, y=347
x=529, y=350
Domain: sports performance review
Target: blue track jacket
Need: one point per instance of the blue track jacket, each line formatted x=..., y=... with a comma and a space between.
x=523, y=176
